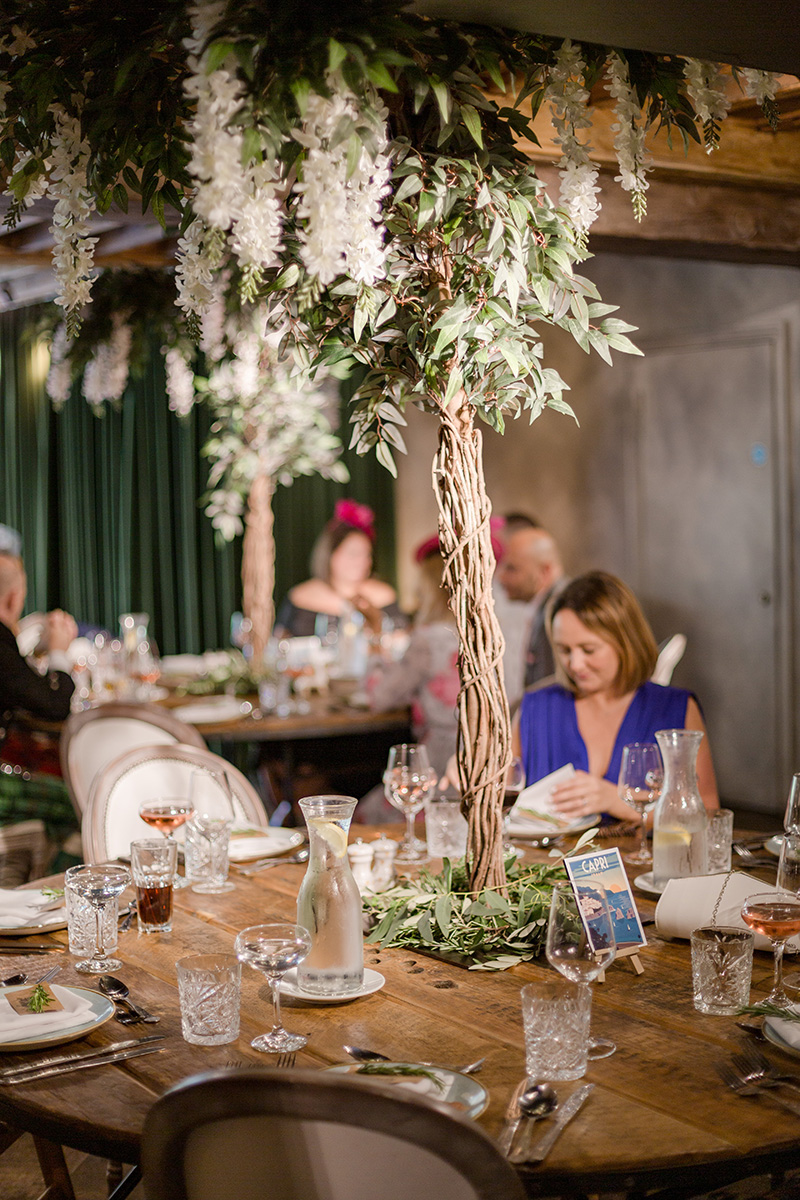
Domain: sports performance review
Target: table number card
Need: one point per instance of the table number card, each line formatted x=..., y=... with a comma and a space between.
x=605, y=867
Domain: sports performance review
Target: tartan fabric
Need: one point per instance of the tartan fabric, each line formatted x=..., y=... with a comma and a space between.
x=25, y=797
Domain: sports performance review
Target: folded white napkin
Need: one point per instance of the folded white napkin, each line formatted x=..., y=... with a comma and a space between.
x=18, y=908
x=16, y=1027
x=688, y=904
x=537, y=798
x=788, y=1030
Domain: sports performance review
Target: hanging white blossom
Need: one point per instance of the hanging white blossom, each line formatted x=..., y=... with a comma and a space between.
x=58, y=384
x=706, y=85
x=73, y=250
x=106, y=373
x=342, y=229
x=568, y=98
x=762, y=85
x=194, y=273
x=180, y=381
x=629, y=140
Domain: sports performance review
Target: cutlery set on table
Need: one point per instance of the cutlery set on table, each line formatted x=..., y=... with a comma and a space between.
x=750, y=1073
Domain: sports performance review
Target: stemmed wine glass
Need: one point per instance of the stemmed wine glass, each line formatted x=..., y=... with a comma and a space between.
x=581, y=949
x=98, y=883
x=776, y=915
x=167, y=816
x=407, y=780
x=274, y=950
x=640, y=777
x=515, y=782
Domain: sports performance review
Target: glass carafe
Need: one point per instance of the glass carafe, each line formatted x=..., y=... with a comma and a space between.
x=680, y=823
x=329, y=902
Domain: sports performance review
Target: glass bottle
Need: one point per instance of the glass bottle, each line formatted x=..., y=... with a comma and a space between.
x=680, y=823
x=329, y=902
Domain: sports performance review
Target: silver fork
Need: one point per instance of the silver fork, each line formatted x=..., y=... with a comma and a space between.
x=753, y=859
x=286, y=1058
x=731, y=1077
x=754, y=1067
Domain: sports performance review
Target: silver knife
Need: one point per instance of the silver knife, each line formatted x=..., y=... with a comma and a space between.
x=512, y=1118
x=82, y=1065
x=526, y=1154
x=59, y=1059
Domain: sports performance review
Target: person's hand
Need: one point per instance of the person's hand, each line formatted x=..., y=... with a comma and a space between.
x=585, y=794
x=372, y=615
x=60, y=630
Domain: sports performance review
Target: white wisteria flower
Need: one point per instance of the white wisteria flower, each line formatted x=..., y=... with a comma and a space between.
x=194, y=273
x=256, y=235
x=106, y=373
x=629, y=140
x=761, y=85
x=568, y=98
x=73, y=250
x=180, y=381
x=58, y=384
x=706, y=85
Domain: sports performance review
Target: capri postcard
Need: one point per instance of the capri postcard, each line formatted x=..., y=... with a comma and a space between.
x=605, y=867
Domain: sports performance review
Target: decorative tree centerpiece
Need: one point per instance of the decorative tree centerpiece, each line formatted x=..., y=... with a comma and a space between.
x=374, y=199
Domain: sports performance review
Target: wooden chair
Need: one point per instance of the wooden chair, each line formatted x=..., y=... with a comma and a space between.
x=310, y=1135
x=111, y=820
x=92, y=739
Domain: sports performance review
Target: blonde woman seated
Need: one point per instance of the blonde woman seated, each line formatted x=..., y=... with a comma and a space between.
x=426, y=677
x=341, y=562
x=605, y=653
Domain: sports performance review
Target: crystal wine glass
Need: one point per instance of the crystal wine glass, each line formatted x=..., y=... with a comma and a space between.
x=407, y=780
x=640, y=777
x=98, y=884
x=274, y=950
x=579, y=949
x=776, y=915
x=166, y=816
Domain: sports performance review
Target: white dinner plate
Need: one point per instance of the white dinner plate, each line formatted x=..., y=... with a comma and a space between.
x=48, y=923
x=373, y=982
x=211, y=710
x=460, y=1092
x=645, y=884
x=102, y=1010
x=535, y=828
x=262, y=843
x=774, y=844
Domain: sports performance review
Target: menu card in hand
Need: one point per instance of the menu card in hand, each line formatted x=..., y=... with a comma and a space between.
x=535, y=802
x=605, y=867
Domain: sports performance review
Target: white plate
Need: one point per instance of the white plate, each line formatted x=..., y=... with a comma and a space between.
x=537, y=829
x=773, y=846
x=373, y=982
x=215, y=708
x=645, y=884
x=263, y=843
x=102, y=1011
x=461, y=1092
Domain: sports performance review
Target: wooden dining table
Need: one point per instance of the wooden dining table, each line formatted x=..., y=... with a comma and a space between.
x=658, y=1113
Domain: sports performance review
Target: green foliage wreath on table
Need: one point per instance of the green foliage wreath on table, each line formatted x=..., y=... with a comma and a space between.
x=358, y=168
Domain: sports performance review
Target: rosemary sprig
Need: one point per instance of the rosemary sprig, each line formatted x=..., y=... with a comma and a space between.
x=765, y=1009
x=39, y=999
x=52, y=893
x=377, y=1068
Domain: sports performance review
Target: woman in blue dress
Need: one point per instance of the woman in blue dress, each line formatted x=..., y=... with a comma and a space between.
x=603, y=699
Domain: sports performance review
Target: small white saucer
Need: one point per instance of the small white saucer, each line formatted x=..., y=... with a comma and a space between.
x=645, y=884
x=373, y=982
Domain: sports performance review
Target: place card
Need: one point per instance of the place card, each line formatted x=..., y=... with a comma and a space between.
x=605, y=867
x=20, y=1000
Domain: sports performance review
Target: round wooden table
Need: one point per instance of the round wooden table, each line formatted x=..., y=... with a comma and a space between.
x=658, y=1113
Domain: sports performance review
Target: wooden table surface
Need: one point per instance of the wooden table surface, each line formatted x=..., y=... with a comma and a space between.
x=658, y=1112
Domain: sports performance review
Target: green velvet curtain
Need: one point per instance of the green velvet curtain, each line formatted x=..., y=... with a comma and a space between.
x=109, y=507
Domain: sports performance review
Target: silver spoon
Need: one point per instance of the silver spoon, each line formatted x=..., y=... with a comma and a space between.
x=362, y=1055
x=266, y=863
x=118, y=991
x=537, y=1101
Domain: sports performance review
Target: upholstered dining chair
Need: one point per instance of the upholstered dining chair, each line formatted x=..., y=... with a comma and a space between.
x=312, y=1135
x=111, y=820
x=91, y=739
x=670, y=654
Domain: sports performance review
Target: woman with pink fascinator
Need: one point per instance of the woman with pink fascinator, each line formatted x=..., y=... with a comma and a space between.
x=341, y=566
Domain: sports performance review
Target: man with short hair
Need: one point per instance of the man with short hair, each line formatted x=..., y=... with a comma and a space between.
x=531, y=570
x=47, y=696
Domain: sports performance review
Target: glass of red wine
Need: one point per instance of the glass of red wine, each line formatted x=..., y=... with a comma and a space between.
x=166, y=816
x=776, y=915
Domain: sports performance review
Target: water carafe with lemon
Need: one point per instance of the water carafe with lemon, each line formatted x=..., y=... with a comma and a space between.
x=680, y=824
x=329, y=902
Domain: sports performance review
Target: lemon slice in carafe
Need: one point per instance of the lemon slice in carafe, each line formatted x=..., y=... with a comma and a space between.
x=673, y=835
x=333, y=834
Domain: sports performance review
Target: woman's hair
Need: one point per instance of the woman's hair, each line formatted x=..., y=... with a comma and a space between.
x=433, y=593
x=326, y=544
x=609, y=608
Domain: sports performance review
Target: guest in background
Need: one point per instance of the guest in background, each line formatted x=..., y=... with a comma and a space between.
x=605, y=654
x=342, y=579
x=531, y=571
x=426, y=677
x=29, y=782
x=514, y=616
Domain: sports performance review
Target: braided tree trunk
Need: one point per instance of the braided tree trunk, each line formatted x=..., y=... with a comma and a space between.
x=484, y=726
x=258, y=565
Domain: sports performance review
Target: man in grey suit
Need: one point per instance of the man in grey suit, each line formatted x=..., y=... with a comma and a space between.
x=531, y=569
